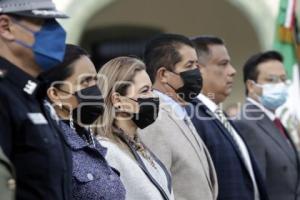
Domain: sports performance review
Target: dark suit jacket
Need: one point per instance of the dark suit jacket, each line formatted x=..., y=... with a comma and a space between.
x=233, y=177
x=276, y=157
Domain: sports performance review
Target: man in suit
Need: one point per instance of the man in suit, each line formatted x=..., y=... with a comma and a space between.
x=237, y=172
x=172, y=65
x=266, y=90
x=7, y=178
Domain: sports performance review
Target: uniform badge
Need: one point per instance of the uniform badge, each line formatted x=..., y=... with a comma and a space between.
x=30, y=87
x=37, y=118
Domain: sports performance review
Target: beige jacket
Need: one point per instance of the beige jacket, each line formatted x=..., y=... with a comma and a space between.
x=178, y=145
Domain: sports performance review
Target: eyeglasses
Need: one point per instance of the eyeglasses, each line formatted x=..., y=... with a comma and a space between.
x=277, y=79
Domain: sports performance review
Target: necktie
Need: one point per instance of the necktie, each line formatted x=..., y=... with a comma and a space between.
x=224, y=121
x=241, y=146
x=280, y=127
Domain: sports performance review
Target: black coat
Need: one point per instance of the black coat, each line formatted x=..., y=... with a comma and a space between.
x=31, y=139
x=277, y=156
x=233, y=177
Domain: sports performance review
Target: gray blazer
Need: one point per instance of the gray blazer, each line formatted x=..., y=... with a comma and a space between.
x=179, y=147
x=276, y=157
x=7, y=178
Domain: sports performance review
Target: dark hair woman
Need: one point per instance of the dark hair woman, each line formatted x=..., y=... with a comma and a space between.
x=77, y=100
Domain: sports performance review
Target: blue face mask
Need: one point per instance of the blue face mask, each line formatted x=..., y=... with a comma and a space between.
x=273, y=95
x=49, y=46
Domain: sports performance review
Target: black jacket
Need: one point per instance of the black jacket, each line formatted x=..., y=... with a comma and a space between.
x=276, y=155
x=31, y=139
x=233, y=177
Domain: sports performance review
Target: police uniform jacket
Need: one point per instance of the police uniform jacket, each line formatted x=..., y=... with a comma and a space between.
x=31, y=139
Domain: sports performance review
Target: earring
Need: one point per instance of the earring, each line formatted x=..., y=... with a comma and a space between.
x=60, y=105
x=117, y=108
x=72, y=123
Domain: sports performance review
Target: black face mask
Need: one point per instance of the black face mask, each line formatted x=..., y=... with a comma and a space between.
x=149, y=108
x=91, y=105
x=192, y=84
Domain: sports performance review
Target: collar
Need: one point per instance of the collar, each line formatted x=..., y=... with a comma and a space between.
x=265, y=110
x=51, y=110
x=19, y=78
x=208, y=102
x=179, y=110
x=76, y=142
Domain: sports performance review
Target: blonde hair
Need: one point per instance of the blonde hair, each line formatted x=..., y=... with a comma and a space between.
x=115, y=76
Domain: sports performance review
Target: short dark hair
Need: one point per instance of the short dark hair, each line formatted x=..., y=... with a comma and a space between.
x=162, y=50
x=65, y=69
x=250, y=71
x=202, y=42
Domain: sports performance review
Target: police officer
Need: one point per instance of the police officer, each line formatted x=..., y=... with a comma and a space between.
x=31, y=41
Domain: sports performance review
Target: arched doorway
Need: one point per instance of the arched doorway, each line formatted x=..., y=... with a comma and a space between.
x=234, y=20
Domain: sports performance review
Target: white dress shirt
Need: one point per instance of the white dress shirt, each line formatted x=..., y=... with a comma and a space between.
x=270, y=114
x=176, y=107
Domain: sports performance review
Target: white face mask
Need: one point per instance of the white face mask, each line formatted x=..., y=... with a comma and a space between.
x=273, y=95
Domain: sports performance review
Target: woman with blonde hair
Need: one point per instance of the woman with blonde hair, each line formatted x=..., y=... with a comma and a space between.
x=130, y=104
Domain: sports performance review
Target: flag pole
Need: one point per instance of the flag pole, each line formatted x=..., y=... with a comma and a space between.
x=297, y=42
